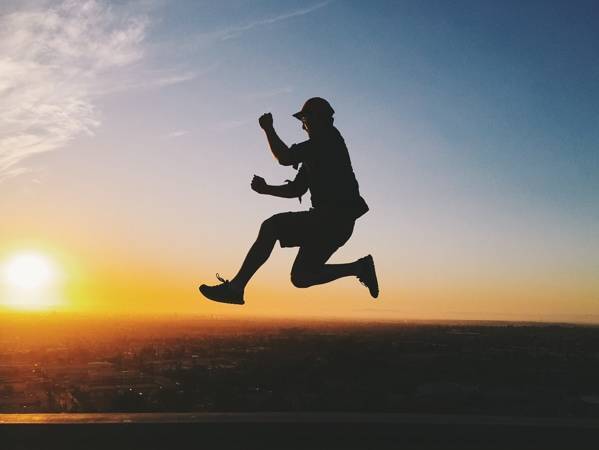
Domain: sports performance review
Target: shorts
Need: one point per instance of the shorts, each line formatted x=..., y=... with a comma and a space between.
x=319, y=229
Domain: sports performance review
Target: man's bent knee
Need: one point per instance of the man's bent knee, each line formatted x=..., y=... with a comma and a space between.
x=302, y=279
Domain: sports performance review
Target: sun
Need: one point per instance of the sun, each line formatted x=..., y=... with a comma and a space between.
x=29, y=271
x=30, y=280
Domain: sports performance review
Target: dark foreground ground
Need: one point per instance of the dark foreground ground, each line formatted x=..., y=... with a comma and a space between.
x=525, y=370
x=214, y=383
x=292, y=431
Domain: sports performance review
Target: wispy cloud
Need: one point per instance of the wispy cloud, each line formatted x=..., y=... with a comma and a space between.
x=138, y=78
x=228, y=125
x=176, y=134
x=55, y=61
x=57, y=57
x=234, y=31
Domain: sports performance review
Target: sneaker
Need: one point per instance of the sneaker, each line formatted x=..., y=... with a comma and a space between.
x=222, y=293
x=368, y=275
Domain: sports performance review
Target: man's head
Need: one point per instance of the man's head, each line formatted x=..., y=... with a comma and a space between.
x=316, y=115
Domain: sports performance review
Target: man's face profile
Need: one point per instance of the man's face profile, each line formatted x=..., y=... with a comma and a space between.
x=313, y=123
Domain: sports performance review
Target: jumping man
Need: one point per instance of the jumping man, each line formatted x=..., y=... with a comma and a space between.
x=325, y=169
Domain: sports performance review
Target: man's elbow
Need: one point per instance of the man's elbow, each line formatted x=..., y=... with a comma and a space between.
x=299, y=192
x=284, y=160
x=284, y=156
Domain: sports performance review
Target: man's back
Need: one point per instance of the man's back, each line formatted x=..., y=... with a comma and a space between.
x=329, y=173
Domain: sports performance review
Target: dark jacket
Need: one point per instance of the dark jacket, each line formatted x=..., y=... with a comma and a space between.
x=327, y=171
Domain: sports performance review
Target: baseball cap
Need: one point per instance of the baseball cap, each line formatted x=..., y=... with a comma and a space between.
x=315, y=106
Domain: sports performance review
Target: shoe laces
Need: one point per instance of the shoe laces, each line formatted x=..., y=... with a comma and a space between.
x=221, y=279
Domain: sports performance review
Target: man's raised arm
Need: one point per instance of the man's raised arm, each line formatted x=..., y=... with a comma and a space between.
x=278, y=148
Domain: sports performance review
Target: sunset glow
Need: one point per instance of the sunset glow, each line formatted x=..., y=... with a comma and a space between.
x=129, y=137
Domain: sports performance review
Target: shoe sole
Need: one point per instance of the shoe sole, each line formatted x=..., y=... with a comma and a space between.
x=374, y=291
x=217, y=300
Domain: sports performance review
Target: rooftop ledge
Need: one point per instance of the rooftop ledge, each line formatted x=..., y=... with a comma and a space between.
x=291, y=430
x=295, y=417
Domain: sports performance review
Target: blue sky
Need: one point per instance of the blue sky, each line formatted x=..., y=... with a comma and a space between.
x=473, y=128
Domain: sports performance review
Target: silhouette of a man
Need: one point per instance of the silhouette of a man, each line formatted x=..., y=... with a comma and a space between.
x=325, y=169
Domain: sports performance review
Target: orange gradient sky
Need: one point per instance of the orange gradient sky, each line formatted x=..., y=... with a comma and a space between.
x=129, y=136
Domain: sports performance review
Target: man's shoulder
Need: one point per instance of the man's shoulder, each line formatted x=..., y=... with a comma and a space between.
x=301, y=152
x=302, y=148
x=304, y=145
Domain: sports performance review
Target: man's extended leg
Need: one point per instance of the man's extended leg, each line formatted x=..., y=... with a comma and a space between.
x=257, y=255
x=232, y=291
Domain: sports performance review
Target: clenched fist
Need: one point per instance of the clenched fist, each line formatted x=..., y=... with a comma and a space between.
x=259, y=184
x=265, y=121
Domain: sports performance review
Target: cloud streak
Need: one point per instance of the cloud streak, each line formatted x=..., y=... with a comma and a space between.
x=58, y=57
x=176, y=134
x=234, y=31
x=55, y=61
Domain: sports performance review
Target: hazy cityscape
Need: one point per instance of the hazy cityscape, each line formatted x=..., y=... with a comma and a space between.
x=99, y=365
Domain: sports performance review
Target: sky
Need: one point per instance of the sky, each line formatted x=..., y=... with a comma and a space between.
x=129, y=137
